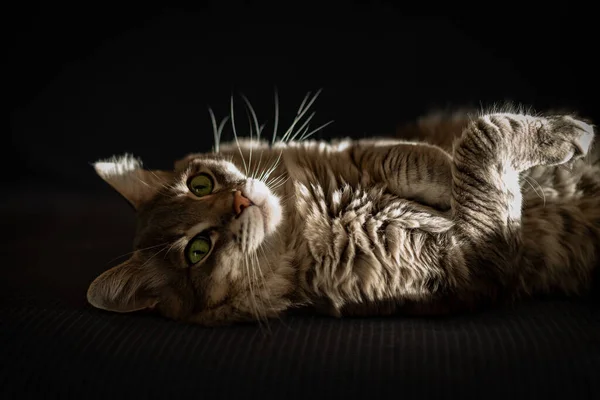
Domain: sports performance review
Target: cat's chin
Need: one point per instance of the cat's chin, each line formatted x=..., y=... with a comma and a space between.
x=259, y=220
x=268, y=204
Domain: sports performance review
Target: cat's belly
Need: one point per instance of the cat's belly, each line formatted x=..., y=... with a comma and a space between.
x=367, y=246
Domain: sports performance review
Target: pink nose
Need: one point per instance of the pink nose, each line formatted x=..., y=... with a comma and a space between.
x=240, y=203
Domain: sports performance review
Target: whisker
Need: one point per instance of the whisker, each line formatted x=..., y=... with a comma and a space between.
x=251, y=142
x=131, y=252
x=253, y=113
x=304, y=137
x=275, y=179
x=261, y=248
x=300, y=115
x=255, y=267
x=154, y=255
x=273, y=168
x=259, y=164
x=543, y=195
x=213, y=121
x=284, y=199
x=276, y=121
x=148, y=185
x=302, y=132
x=303, y=102
x=303, y=125
x=221, y=126
x=161, y=181
x=265, y=287
x=251, y=287
x=255, y=308
x=277, y=188
x=252, y=119
x=270, y=170
x=257, y=128
x=170, y=248
x=235, y=135
x=279, y=184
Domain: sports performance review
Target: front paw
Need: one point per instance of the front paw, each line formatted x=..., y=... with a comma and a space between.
x=562, y=139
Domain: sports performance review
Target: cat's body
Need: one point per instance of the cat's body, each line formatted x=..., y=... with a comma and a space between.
x=364, y=227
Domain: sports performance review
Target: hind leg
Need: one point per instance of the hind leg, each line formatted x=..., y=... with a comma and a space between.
x=413, y=171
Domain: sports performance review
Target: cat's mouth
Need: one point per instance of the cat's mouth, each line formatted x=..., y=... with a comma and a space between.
x=259, y=218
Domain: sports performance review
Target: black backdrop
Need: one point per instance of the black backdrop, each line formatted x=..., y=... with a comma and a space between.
x=89, y=81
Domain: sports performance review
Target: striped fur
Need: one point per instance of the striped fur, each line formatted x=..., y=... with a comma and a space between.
x=376, y=226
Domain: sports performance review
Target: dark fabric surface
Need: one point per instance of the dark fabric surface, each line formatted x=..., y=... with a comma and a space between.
x=53, y=345
x=540, y=350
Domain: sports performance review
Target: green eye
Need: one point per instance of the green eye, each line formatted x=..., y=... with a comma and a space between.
x=201, y=185
x=198, y=249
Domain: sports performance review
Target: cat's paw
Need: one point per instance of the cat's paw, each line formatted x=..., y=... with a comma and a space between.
x=528, y=141
x=561, y=139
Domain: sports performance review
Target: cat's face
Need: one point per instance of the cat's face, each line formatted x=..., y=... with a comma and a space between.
x=205, y=243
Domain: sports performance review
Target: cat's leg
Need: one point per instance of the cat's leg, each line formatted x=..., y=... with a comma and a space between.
x=490, y=154
x=413, y=171
x=486, y=195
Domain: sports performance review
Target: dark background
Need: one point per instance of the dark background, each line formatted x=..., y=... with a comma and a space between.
x=89, y=80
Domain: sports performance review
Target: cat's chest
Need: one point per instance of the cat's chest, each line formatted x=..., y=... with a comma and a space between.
x=351, y=241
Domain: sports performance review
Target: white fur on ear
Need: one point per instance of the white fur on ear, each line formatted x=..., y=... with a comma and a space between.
x=126, y=175
x=117, y=165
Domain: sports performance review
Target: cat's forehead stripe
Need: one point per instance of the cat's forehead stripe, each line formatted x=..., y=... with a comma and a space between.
x=196, y=229
x=213, y=166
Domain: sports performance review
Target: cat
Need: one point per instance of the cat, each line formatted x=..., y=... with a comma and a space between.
x=484, y=210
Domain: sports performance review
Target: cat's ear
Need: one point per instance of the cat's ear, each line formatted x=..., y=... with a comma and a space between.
x=126, y=175
x=126, y=288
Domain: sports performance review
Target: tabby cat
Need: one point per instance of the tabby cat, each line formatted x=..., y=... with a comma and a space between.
x=492, y=208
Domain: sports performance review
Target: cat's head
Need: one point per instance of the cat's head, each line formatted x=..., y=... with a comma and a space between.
x=205, y=247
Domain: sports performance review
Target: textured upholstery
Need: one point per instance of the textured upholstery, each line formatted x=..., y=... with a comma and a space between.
x=53, y=345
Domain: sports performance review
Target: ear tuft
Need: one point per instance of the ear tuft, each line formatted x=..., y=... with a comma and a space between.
x=117, y=165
